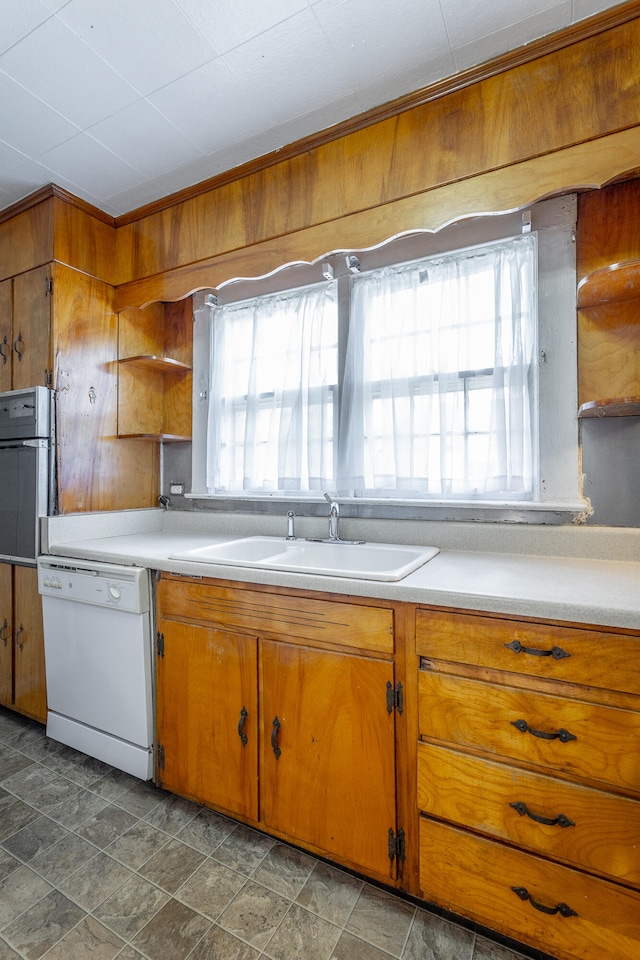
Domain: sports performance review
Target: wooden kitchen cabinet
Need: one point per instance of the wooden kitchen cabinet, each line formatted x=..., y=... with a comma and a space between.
x=6, y=634
x=207, y=715
x=528, y=781
x=22, y=667
x=328, y=758
x=6, y=334
x=25, y=330
x=312, y=681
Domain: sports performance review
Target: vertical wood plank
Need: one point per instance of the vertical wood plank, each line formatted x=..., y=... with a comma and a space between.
x=30, y=694
x=6, y=634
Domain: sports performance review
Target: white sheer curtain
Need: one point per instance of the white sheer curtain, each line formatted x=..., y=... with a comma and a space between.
x=437, y=391
x=272, y=402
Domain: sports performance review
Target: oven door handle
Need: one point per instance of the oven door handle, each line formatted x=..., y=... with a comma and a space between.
x=17, y=444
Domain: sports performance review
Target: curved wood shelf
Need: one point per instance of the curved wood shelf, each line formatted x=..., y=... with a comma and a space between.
x=157, y=364
x=612, y=284
x=612, y=407
x=157, y=437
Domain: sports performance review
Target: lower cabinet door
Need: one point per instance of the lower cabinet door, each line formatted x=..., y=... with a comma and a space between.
x=206, y=708
x=6, y=634
x=328, y=752
x=553, y=908
x=30, y=686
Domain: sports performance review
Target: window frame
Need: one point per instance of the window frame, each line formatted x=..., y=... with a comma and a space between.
x=557, y=497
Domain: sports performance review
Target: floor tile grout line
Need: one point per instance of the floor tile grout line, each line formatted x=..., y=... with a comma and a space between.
x=13, y=731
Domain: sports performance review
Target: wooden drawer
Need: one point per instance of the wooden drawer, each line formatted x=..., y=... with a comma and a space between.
x=602, y=833
x=589, y=657
x=476, y=877
x=276, y=615
x=507, y=722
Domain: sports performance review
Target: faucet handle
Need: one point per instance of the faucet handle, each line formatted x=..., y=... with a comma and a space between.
x=333, y=503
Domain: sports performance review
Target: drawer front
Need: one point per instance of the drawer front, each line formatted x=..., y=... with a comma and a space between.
x=578, y=825
x=582, y=739
x=474, y=877
x=276, y=615
x=589, y=657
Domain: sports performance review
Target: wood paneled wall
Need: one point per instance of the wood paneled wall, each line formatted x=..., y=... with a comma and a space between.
x=533, y=112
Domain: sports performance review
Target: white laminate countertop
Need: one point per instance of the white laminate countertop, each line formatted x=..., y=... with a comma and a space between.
x=592, y=590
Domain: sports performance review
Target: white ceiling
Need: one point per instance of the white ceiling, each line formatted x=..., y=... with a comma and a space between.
x=122, y=102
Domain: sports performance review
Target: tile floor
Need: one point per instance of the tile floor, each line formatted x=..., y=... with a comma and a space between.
x=96, y=865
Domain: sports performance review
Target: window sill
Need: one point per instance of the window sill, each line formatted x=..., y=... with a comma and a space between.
x=496, y=511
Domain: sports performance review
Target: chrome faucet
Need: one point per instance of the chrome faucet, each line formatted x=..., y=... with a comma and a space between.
x=334, y=517
x=291, y=534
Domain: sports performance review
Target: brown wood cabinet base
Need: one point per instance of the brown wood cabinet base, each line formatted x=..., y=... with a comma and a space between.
x=270, y=709
x=277, y=708
x=561, y=911
x=22, y=668
x=528, y=783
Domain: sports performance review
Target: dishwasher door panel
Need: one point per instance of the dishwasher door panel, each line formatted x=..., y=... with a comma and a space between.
x=99, y=667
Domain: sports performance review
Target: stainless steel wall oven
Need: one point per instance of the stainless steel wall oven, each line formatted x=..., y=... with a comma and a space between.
x=27, y=473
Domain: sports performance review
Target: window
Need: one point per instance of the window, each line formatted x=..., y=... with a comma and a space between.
x=425, y=380
x=438, y=388
x=272, y=409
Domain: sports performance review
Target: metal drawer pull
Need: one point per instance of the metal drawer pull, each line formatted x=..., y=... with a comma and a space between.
x=556, y=652
x=17, y=348
x=274, y=738
x=562, y=908
x=3, y=632
x=2, y=346
x=559, y=821
x=243, y=737
x=563, y=735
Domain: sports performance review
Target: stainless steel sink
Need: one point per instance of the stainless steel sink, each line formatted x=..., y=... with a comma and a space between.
x=364, y=561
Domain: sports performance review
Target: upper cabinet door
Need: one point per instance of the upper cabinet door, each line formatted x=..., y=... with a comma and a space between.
x=31, y=334
x=6, y=331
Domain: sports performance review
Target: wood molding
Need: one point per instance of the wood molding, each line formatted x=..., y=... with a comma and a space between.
x=45, y=193
x=583, y=30
x=586, y=166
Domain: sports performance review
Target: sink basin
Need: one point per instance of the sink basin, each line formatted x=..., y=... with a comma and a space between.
x=365, y=561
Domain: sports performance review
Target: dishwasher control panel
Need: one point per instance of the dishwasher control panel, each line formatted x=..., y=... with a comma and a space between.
x=103, y=584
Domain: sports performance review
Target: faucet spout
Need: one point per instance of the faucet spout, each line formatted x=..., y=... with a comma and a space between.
x=334, y=517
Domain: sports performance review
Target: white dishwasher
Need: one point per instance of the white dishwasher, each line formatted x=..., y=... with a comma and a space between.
x=97, y=641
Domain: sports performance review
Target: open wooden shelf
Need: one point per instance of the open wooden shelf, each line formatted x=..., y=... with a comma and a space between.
x=611, y=284
x=157, y=364
x=157, y=437
x=613, y=407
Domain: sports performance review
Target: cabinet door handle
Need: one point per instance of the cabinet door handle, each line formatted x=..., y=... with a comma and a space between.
x=274, y=738
x=17, y=348
x=19, y=639
x=562, y=908
x=2, y=346
x=559, y=821
x=563, y=735
x=243, y=737
x=556, y=652
x=3, y=632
